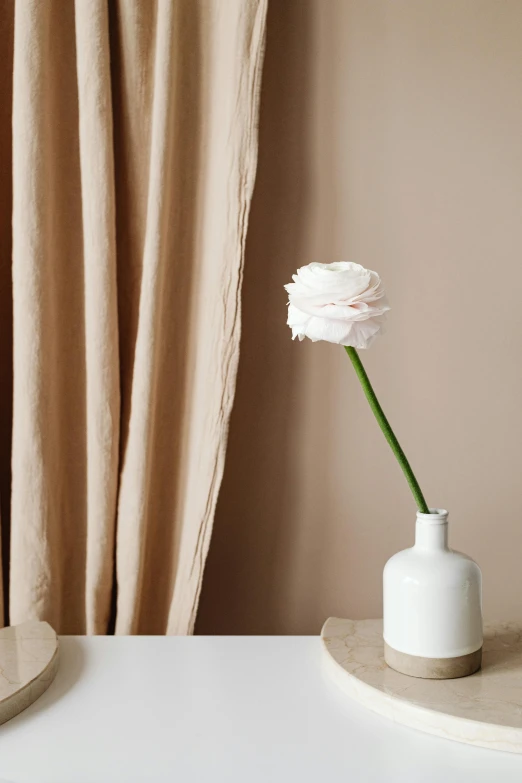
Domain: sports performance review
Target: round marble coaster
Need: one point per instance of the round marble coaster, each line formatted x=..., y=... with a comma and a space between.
x=484, y=709
x=28, y=664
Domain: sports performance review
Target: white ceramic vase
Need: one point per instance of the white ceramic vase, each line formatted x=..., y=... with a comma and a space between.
x=432, y=606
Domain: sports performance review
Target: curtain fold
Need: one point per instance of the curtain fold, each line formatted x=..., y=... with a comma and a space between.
x=102, y=389
x=134, y=155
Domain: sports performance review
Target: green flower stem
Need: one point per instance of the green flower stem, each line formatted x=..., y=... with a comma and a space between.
x=387, y=430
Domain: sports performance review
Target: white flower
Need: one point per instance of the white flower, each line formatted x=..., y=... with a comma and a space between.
x=341, y=303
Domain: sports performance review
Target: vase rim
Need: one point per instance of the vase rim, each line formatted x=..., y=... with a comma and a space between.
x=437, y=516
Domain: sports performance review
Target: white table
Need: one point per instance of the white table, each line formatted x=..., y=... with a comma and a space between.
x=222, y=710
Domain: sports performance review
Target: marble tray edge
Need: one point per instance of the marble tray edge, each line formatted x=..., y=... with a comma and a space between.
x=400, y=711
x=25, y=696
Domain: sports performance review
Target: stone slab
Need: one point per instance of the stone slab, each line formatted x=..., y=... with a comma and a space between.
x=484, y=709
x=28, y=665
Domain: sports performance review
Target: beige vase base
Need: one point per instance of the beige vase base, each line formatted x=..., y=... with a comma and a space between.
x=433, y=668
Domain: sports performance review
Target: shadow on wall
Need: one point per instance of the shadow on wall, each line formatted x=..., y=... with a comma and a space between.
x=6, y=303
x=252, y=532
x=390, y=134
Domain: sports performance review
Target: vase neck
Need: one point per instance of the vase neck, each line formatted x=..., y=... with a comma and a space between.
x=431, y=531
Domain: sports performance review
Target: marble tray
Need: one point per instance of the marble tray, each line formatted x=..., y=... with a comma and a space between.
x=28, y=664
x=484, y=709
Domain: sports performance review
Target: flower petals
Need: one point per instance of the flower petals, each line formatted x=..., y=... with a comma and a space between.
x=341, y=303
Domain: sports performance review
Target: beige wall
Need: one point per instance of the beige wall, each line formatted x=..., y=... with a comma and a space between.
x=391, y=135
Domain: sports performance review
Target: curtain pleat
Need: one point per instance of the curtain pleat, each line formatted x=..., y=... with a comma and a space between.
x=102, y=389
x=232, y=54
x=154, y=381
x=49, y=461
x=134, y=156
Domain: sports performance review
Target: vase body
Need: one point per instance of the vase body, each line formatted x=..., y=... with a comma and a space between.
x=432, y=606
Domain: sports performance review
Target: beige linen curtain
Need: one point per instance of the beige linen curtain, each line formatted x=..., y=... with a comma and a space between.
x=134, y=144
